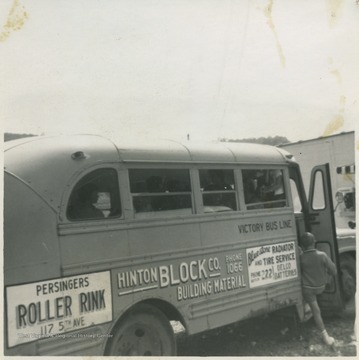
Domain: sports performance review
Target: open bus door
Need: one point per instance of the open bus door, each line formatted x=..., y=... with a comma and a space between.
x=322, y=225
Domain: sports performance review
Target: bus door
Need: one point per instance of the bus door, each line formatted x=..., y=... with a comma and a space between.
x=299, y=200
x=322, y=225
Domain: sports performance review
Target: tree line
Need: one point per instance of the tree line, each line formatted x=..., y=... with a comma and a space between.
x=269, y=140
x=12, y=136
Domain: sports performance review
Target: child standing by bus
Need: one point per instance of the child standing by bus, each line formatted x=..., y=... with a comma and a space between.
x=316, y=268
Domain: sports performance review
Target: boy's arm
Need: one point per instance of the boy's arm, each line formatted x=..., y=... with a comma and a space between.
x=332, y=269
x=299, y=250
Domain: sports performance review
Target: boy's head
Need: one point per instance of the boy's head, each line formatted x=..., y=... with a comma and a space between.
x=307, y=240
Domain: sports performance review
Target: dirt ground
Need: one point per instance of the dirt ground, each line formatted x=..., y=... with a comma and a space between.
x=273, y=335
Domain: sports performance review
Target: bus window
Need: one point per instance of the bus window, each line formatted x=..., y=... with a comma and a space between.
x=263, y=188
x=96, y=196
x=318, y=202
x=161, y=190
x=218, y=190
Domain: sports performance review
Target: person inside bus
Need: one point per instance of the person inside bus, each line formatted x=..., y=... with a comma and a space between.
x=317, y=269
x=275, y=189
x=155, y=185
x=84, y=208
x=250, y=193
x=216, y=181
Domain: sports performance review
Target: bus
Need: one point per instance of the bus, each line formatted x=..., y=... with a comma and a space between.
x=107, y=242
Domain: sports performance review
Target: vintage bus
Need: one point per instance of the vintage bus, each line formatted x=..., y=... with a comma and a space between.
x=107, y=243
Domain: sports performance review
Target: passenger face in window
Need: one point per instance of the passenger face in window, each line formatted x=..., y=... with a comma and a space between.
x=95, y=196
x=85, y=208
x=88, y=194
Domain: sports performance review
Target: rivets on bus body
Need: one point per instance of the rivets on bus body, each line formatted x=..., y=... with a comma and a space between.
x=78, y=155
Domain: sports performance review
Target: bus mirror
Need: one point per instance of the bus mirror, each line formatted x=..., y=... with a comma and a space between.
x=349, y=200
x=352, y=224
x=346, y=196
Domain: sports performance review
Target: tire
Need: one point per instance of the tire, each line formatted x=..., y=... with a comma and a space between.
x=348, y=275
x=144, y=331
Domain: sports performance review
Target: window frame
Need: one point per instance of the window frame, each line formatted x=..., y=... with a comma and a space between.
x=256, y=206
x=77, y=178
x=234, y=191
x=147, y=194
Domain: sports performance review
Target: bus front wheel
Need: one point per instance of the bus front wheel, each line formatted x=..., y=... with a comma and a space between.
x=144, y=331
x=348, y=275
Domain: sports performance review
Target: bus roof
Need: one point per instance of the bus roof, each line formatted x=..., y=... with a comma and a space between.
x=47, y=164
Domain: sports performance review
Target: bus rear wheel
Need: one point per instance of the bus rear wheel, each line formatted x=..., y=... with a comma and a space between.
x=348, y=275
x=144, y=331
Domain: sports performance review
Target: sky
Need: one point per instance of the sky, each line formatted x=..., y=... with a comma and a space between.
x=164, y=69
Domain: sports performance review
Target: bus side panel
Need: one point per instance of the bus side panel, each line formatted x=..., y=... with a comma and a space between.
x=218, y=270
x=31, y=253
x=137, y=254
x=30, y=235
